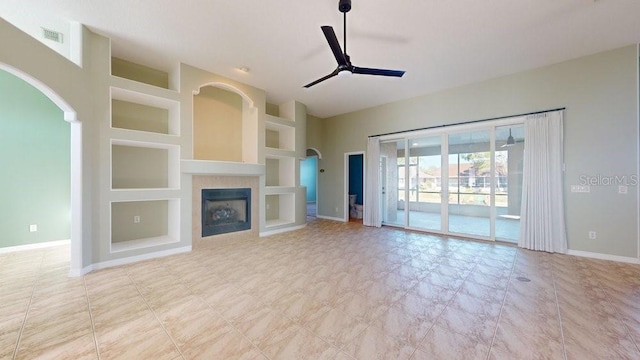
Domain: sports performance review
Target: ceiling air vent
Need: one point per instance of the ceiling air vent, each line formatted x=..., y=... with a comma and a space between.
x=52, y=35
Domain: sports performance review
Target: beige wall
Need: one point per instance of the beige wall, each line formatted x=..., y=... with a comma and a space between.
x=153, y=220
x=127, y=115
x=129, y=70
x=272, y=109
x=600, y=94
x=314, y=132
x=137, y=167
x=217, y=125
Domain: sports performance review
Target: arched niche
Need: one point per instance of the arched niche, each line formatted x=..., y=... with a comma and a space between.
x=70, y=115
x=225, y=124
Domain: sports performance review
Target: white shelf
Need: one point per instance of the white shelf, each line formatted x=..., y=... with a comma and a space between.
x=278, y=153
x=137, y=136
x=277, y=190
x=277, y=223
x=140, y=87
x=117, y=195
x=279, y=120
x=141, y=243
x=165, y=99
x=223, y=168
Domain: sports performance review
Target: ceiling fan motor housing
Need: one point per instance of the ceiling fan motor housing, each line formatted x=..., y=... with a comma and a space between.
x=344, y=6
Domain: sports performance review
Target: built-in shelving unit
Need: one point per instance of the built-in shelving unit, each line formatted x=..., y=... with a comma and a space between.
x=280, y=134
x=280, y=209
x=283, y=145
x=145, y=158
x=153, y=224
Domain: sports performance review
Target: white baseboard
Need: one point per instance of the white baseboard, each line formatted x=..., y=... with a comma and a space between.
x=331, y=218
x=600, y=256
x=282, y=230
x=80, y=272
x=128, y=260
x=26, y=247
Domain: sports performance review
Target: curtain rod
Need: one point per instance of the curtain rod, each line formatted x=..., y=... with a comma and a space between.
x=468, y=122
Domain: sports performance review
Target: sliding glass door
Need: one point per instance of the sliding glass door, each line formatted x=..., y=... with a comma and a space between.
x=392, y=180
x=425, y=183
x=508, y=157
x=469, y=183
x=455, y=181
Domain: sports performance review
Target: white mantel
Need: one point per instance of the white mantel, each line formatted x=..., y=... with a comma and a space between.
x=221, y=168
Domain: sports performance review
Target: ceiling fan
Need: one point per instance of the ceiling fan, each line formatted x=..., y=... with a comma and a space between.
x=344, y=62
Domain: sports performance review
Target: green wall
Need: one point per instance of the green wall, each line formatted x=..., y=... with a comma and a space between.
x=34, y=156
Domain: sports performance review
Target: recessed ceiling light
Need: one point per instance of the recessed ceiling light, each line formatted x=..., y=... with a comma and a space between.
x=244, y=69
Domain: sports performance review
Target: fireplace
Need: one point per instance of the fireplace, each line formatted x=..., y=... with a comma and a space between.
x=225, y=211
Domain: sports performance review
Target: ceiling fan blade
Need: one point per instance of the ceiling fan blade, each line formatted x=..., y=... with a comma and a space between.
x=334, y=45
x=334, y=73
x=382, y=72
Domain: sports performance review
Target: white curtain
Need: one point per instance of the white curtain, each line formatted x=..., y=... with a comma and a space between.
x=542, y=225
x=372, y=187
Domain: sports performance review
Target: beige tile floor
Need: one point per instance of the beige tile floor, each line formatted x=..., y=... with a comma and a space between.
x=330, y=291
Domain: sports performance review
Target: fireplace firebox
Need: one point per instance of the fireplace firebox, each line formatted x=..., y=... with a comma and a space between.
x=225, y=211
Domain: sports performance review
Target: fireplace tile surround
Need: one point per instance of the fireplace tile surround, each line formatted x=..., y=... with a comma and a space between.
x=200, y=182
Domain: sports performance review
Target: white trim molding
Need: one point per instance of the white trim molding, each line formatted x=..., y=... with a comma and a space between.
x=129, y=260
x=283, y=230
x=587, y=254
x=43, y=245
x=331, y=218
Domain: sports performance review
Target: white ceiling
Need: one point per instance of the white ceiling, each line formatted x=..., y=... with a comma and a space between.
x=440, y=43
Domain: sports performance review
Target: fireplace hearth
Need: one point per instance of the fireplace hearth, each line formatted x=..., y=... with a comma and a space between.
x=225, y=211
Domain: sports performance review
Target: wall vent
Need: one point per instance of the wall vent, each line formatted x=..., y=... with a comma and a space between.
x=52, y=35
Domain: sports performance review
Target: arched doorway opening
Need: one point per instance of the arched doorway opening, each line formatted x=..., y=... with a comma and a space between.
x=309, y=179
x=70, y=115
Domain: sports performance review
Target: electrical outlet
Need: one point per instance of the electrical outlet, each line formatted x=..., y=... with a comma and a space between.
x=592, y=235
x=336, y=209
x=268, y=206
x=580, y=188
x=136, y=219
x=33, y=228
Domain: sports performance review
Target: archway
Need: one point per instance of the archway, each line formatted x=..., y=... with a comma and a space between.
x=70, y=115
x=309, y=179
x=225, y=124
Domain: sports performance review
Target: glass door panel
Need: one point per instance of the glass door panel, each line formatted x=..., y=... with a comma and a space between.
x=470, y=183
x=393, y=185
x=509, y=145
x=425, y=183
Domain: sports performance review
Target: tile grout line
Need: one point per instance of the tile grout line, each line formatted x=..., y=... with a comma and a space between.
x=624, y=323
x=93, y=325
x=435, y=320
x=504, y=300
x=215, y=311
x=154, y=314
x=555, y=293
x=26, y=313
